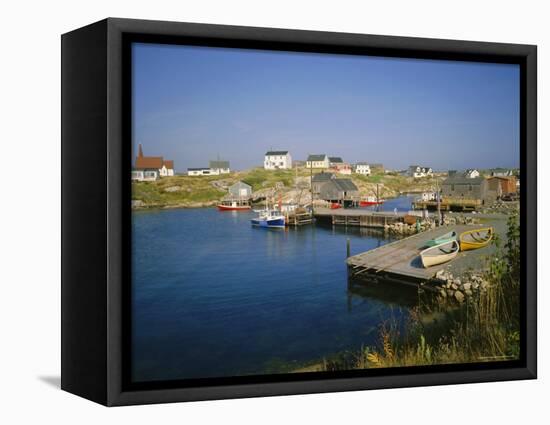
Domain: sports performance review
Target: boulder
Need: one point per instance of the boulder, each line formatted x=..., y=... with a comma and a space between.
x=467, y=286
x=459, y=296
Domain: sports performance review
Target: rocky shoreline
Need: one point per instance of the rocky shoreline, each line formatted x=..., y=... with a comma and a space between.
x=460, y=288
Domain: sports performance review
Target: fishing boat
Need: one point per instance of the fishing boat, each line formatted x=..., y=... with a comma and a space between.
x=234, y=205
x=368, y=201
x=439, y=254
x=474, y=239
x=447, y=237
x=269, y=218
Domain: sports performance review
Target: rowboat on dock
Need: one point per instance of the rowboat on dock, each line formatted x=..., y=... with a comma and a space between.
x=447, y=237
x=439, y=254
x=269, y=219
x=474, y=239
x=234, y=205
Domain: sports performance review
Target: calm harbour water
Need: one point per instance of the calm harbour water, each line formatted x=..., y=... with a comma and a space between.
x=212, y=296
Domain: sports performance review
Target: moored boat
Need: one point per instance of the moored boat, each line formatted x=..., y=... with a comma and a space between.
x=474, y=239
x=447, y=237
x=269, y=219
x=368, y=201
x=234, y=205
x=439, y=254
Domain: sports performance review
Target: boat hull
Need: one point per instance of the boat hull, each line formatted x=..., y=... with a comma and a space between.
x=446, y=238
x=276, y=223
x=473, y=239
x=435, y=255
x=369, y=203
x=232, y=208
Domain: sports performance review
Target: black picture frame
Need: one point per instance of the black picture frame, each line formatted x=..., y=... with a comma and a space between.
x=96, y=234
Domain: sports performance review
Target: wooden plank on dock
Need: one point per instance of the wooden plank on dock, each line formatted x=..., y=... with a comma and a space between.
x=401, y=258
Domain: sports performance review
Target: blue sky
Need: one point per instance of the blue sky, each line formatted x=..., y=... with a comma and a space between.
x=192, y=104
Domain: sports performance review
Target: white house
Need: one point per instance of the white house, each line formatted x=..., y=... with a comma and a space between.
x=417, y=171
x=429, y=196
x=318, y=161
x=471, y=174
x=204, y=171
x=277, y=160
x=145, y=175
x=219, y=167
x=362, y=168
x=149, y=168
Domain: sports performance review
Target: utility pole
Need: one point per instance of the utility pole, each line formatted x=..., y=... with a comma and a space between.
x=438, y=202
x=311, y=185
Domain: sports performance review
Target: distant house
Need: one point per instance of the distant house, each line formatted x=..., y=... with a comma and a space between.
x=277, y=160
x=501, y=172
x=149, y=168
x=145, y=175
x=338, y=190
x=462, y=187
x=240, y=190
x=319, y=179
x=429, y=196
x=471, y=173
x=417, y=171
x=201, y=171
x=338, y=165
x=318, y=161
x=219, y=167
x=363, y=168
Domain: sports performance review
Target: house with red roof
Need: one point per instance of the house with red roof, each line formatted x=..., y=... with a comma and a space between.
x=150, y=168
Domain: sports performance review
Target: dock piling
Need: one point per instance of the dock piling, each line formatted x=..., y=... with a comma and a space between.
x=348, y=248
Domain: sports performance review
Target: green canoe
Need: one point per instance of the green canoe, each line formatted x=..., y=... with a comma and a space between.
x=447, y=237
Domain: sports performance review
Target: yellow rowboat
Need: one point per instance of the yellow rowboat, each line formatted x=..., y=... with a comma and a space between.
x=474, y=239
x=439, y=254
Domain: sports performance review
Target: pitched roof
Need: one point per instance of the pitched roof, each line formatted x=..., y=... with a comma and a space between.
x=198, y=169
x=219, y=164
x=322, y=177
x=270, y=153
x=345, y=184
x=457, y=179
x=169, y=164
x=143, y=162
x=363, y=163
x=335, y=159
x=240, y=184
x=320, y=157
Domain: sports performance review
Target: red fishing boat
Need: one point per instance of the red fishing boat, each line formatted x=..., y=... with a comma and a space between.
x=234, y=205
x=369, y=201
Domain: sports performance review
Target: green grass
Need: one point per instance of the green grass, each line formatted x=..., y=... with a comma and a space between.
x=260, y=178
x=192, y=190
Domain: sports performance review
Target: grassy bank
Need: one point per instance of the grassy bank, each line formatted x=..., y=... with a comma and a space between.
x=484, y=328
x=185, y=191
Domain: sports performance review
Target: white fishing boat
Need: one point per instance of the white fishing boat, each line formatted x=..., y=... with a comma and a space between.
x=269, y=218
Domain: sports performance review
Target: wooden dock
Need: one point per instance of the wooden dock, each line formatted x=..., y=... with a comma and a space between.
x=358, y=217
x=449, y=204
x=298, y=219
x=399, y=261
